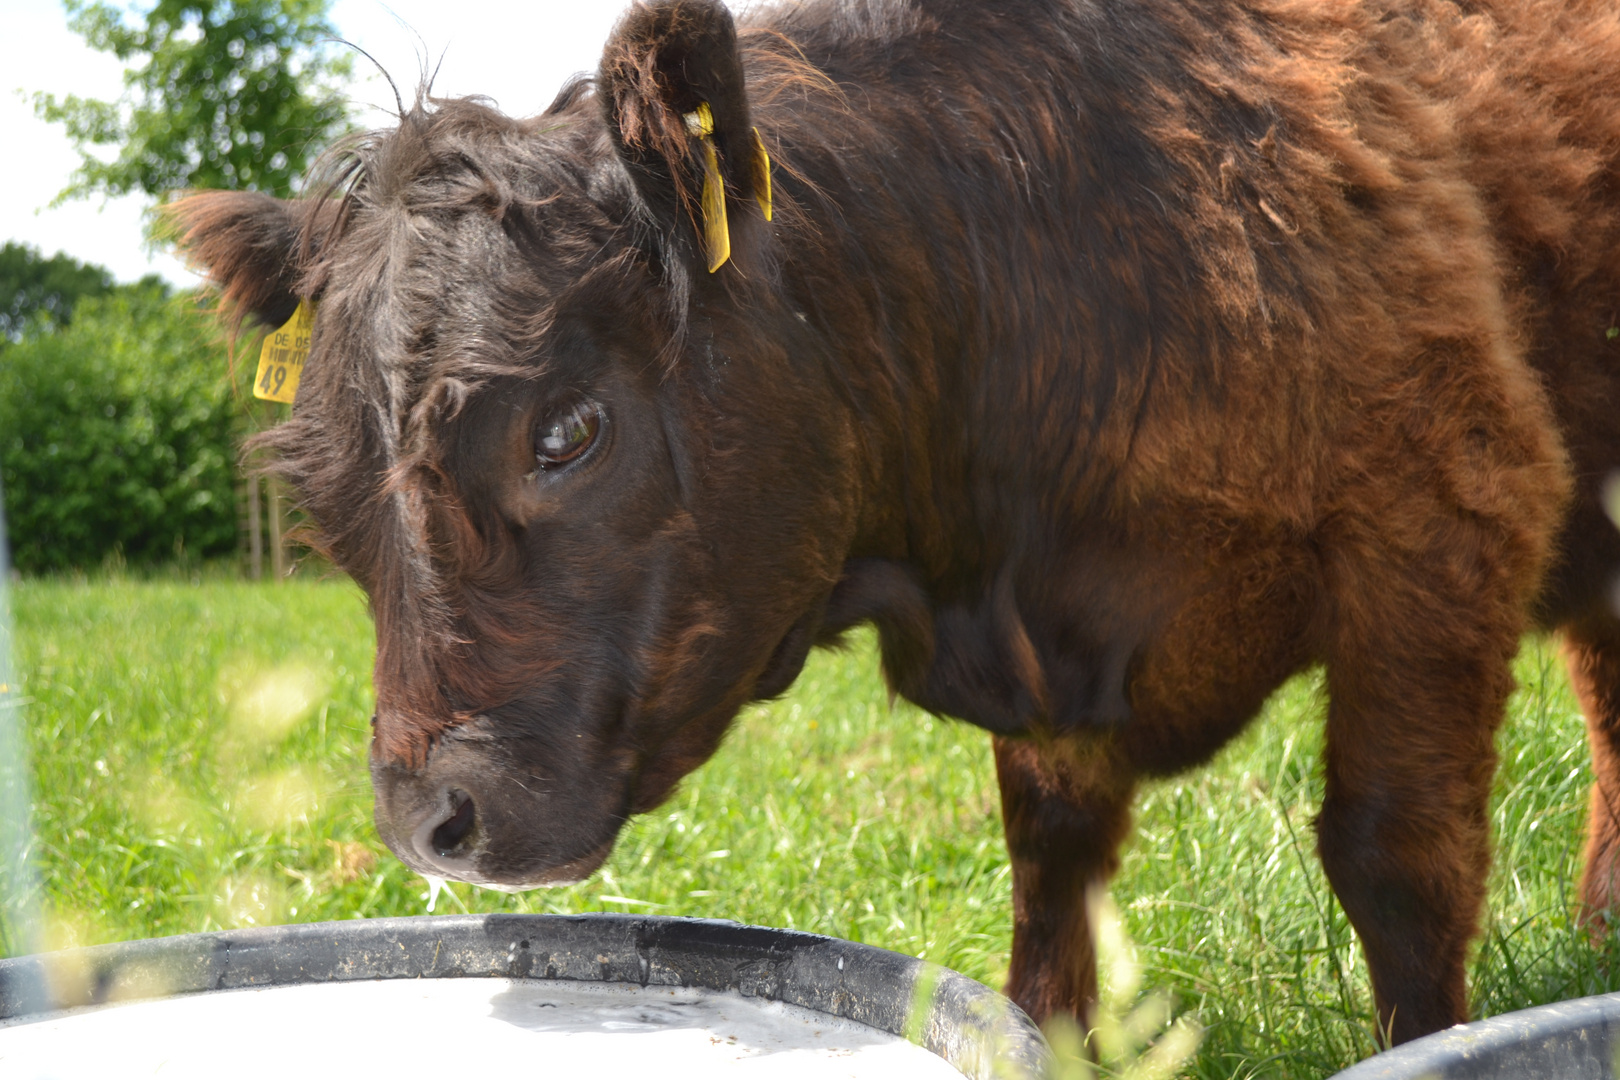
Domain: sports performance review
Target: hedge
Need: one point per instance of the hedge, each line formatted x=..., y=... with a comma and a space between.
x=119, y=436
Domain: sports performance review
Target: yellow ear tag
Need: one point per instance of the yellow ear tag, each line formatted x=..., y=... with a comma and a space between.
x=281, y=359
x=762, y=175
x=716, y=233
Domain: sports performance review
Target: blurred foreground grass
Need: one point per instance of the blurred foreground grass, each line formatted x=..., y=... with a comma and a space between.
x=200, y=762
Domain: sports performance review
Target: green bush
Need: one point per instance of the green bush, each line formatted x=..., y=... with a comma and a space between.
x=118, y=436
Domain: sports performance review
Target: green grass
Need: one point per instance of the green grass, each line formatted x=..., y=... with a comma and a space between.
x=199, y=762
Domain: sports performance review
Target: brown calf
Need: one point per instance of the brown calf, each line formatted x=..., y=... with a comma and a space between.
x=1116, y=359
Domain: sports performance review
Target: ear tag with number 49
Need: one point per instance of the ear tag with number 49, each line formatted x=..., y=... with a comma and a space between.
x=281, y=359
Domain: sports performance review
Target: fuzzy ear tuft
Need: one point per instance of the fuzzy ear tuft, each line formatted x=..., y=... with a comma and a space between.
x=252, y=246
x=672, y=91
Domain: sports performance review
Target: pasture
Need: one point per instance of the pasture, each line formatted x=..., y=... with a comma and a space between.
x=200, y=762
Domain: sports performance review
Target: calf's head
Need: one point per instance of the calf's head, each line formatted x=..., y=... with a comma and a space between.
x=596, y=493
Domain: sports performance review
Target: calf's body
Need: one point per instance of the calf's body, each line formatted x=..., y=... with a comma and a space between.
x=1117, y=360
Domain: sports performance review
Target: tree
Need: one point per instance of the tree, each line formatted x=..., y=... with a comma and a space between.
x=34, y=289
x=238, y=94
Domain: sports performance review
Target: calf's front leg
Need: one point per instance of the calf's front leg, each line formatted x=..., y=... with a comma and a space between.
x=1417, y=681
x=1064, y=818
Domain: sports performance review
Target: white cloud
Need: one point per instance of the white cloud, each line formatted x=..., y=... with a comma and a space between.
x=516, y=53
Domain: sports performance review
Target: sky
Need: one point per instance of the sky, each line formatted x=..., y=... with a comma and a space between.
x=517, y=53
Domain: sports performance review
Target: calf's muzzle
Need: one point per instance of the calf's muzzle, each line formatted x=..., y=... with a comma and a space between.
x=496, y=812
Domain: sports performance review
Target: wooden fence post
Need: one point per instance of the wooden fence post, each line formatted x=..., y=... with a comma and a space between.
x=278, y=546
x=255, y=529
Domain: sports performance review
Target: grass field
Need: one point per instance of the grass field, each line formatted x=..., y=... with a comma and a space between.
x=199, y=762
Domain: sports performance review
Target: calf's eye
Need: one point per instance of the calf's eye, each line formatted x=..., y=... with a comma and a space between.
x=566, y=434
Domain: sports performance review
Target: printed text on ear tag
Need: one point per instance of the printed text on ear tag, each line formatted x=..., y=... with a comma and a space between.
x=281, y=359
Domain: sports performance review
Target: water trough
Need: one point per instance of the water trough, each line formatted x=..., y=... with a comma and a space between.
x=549, y=995
x=1568, y=1040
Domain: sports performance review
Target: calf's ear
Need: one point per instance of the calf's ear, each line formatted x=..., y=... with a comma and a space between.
x=252, y=246
x=672, y=92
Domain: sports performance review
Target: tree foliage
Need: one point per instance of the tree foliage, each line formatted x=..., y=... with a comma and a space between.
x=118, y=435
x=237, y=94
x=34, y=288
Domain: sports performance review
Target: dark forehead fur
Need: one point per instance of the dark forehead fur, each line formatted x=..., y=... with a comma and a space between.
x=423, y=285
x=443, y=227
x=460, y=234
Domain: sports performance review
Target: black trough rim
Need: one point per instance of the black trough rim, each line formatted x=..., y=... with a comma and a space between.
x=982, y=1034
x=1567, y=1040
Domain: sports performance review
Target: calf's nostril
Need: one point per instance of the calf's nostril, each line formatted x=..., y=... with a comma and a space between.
x=454, y=830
